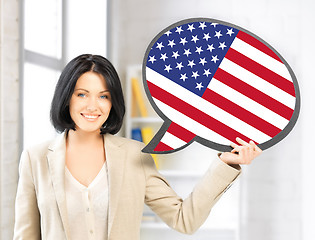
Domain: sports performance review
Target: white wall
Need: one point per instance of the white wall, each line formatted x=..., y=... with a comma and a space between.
x=9, y=113
x=278, y=193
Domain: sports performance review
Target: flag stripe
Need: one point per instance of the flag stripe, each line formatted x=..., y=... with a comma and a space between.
x=257, y=44
x=260, y=71
x=206, y=107
x=248, y=104
x=254, y=94
x=161, y=147
x=180, y=132
x=258, y=83
x=190, y=124
x=261, y=58
x=195, y=114
x=172, y=141
x=241, y=113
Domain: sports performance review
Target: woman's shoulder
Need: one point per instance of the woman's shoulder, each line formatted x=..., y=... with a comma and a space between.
x=42, y=148
x=120, y=141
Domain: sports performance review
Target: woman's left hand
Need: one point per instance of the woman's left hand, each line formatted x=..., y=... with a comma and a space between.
x=241, y=154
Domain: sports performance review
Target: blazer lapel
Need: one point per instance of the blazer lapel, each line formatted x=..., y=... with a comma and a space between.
x=115, y=157
x=56, y=163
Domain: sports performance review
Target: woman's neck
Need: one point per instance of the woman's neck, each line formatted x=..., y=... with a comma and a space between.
x=83, y=138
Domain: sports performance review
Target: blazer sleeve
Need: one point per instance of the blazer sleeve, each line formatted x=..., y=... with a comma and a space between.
x=27, y=217
x=187, y=215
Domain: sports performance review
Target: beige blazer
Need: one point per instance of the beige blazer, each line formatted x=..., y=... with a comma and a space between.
x=41, y=211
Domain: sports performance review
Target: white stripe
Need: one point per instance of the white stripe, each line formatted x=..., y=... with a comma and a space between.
x=258, y=83
x=206, y=107
x=248, y=104
x=190, y=124
x=172, y=141
x=261, y=58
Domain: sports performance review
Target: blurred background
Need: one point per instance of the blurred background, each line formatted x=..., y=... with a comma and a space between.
x=273, y=200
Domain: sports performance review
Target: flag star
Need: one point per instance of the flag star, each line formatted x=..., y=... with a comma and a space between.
x=222, y=45
x=194, y=38
x=202, y=25
x=183, y=41
x=175, y=55
x=190, y=27
x=215, y=59
x=195, y=74
x=159, y=45
x=206, y=36
x=163, y=57
x=171, y=43
x=230, y=32
x=179, y=29
x=191, y=63
x=168, y=33
x=152, y=59
x=168, y=68
x=218, y=34
x=210, y=47
x=214, y=24
x=183, y=77
x=179, y=65
x=187, y=52
x=199, y=86
x=199, y=50
x=203, y=61
x=207, y=72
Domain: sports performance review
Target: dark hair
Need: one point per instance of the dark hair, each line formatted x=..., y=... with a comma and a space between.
x=59, y=112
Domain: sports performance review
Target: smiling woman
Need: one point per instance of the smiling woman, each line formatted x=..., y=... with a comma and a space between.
x=89, y=184
x=90, y=103
x=88, y=81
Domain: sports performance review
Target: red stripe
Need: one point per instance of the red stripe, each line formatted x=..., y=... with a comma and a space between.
x=180, y=132
x=254, y=94
x=161, y=147
x=260, y=71
x=195, y=114
x=257, y=44
x=241, y=113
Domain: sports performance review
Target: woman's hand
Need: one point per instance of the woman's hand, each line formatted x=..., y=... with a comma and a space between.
x=241, y=154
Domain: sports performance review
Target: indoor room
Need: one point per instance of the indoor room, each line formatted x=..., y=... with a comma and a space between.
x=273, y=197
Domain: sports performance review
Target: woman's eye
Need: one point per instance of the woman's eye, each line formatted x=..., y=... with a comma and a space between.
x=104, y=97
x=81, y=95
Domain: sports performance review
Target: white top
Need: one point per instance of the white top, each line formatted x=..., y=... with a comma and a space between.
x=87, y=207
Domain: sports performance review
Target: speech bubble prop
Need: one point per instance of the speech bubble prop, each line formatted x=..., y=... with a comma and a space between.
x=212, y=81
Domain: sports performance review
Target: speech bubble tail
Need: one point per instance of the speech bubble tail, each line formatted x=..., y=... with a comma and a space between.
x=170, y=138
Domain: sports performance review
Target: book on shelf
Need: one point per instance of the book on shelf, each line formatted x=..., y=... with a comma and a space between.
x=139, y=99
x=144, y=135
x=136, y=134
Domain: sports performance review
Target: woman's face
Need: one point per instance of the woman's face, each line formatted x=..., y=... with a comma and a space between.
x=90, y=103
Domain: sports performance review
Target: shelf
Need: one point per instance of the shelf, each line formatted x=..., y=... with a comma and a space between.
x=158, y=230
x=180, y=174
x=162, y=226
x=146, y=120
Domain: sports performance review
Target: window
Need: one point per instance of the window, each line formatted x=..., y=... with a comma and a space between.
x=54, y=32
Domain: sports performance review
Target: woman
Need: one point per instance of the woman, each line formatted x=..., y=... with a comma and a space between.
x=90, y=184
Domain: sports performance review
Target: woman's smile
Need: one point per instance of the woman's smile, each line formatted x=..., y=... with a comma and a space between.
x=90, y=117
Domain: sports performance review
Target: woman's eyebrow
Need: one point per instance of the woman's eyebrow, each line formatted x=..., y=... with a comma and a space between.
x=82, y=89
x=104, y=91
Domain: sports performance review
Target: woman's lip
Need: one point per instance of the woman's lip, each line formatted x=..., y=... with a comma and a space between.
x=90, y=117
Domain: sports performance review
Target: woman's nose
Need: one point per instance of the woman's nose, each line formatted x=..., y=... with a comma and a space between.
x=92, y=105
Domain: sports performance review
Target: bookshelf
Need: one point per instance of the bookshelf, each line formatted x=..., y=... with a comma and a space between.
x=133, y=116
x=182, y=170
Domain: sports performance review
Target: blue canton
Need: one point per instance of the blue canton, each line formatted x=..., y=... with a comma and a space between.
x=190, y=54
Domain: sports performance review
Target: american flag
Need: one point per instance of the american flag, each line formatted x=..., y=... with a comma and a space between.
x=217, y=82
